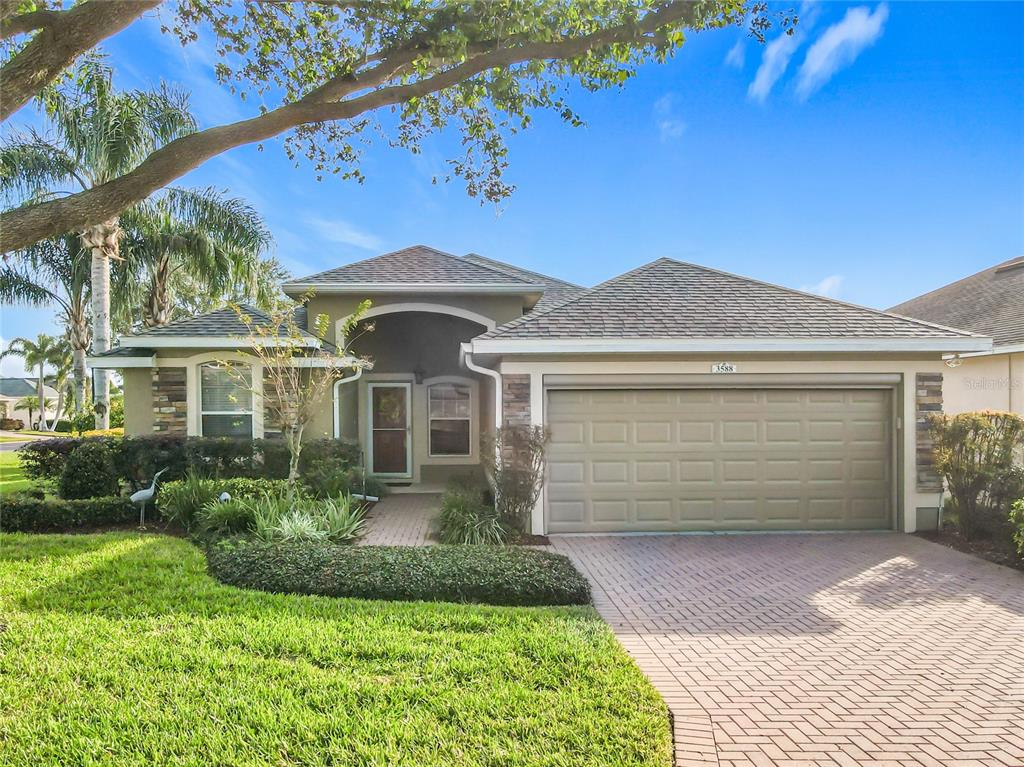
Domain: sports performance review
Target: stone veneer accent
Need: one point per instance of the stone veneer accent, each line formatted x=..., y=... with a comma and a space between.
x=928, y=387
x=515, y=399
x=170, y=401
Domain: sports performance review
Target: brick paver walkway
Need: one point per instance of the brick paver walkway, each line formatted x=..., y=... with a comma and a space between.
x=800, y=650
x=401, y=520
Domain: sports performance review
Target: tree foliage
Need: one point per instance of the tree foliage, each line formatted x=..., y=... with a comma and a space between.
x=332, y=75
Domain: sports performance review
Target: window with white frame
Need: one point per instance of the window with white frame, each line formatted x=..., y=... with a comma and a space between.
x=226, y=401
x=450, y=412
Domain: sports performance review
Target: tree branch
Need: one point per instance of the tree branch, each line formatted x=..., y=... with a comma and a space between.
x=22, y=226
x=62, y=37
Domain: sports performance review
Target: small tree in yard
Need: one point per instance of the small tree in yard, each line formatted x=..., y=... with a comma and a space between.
x=514, y=462
x=297, y=377
x=981, y=457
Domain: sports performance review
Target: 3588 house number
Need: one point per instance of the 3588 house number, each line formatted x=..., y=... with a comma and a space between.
x=723, y=367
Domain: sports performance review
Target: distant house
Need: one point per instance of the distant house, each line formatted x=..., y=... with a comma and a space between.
x=14, y=389
x=678, y=397
x=990, y=303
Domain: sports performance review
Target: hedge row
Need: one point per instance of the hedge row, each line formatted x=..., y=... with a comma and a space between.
x=24, y=514
x=490, y=575
x=137, y=459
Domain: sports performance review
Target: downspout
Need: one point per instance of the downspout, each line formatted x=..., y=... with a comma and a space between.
x=337, y=385
x=466, y=358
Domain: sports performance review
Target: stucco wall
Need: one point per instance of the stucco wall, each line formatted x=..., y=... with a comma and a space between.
x=991, y=382
x=138, y=401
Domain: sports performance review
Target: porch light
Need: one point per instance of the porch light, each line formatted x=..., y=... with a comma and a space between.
x=954, y=361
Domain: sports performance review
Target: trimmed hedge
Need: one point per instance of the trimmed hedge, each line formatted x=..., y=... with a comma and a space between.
x=137, y=459
x=21, y=513
x=491, y=575
x=88, y=472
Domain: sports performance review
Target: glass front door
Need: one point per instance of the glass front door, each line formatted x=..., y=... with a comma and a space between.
x=389, y=427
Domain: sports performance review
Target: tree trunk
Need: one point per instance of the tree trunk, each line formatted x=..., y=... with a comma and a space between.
x=60, y=407
x=103, y=241
x=42, y=400
x=78, y=332
x=157, y=309
x=294, y=436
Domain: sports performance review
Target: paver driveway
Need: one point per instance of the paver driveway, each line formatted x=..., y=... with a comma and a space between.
x=852, y=649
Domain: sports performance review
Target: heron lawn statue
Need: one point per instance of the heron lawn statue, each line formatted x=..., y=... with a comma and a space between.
x=144, y=496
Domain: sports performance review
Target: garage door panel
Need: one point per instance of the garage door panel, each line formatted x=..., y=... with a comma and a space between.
x=719, y=460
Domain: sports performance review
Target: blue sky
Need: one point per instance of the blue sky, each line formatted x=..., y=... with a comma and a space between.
x=877, y=154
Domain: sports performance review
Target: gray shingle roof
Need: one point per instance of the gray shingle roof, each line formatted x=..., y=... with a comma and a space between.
x=556, y=291
x=414, y=265
x=669, y=299
x=990, y=302
x=125, y=351
x=22, y=387
x=222, y=322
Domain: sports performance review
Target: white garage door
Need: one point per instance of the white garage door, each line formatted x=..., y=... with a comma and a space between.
x=719, y=459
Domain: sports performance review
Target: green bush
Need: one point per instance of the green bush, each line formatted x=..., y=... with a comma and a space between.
x=980, y=455
x=220, y=518
x=181, y=501
x=325, y=482
x=486, y=574
x=22, y=513
x=338, y=519
x=1017, y=524
x=88, y=472
x=467, y=516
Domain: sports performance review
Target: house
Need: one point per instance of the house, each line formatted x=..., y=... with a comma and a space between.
x=678, y=398
x=990, y=303
x=12, y=390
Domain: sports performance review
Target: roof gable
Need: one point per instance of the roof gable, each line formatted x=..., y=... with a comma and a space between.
x=222, y=323
x=990, y=302
x=668, y=299
x=418, y=265
x=18, y=387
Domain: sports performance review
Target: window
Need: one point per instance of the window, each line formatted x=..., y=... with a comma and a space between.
x=450, y=410
x=226, y=401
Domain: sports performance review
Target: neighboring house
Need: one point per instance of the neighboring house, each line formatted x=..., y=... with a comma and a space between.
x=14, y=389
x=678, y=397
x=990, y=303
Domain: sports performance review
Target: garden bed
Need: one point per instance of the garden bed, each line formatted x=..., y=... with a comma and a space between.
x=121, y=649
x=952, y=538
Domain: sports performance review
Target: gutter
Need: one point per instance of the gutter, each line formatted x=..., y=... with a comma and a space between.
x=337, y=385
x=466, y=359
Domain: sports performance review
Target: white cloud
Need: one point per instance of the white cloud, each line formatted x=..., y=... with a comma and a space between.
x=342, y=232
x=737, y=56
x=774, y=61
x=839, y=46
x=670, y=126
x=828, y=287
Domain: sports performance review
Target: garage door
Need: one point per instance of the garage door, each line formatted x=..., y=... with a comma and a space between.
x=723, y=459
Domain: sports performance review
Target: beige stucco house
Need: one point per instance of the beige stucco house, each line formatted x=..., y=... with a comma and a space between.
x=990, y=303
x=678, y=398
x=14, y=390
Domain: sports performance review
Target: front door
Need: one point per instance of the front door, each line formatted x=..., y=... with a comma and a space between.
x=389, y=429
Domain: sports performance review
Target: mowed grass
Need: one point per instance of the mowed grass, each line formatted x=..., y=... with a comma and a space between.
x=12, y=476
x=119, y=649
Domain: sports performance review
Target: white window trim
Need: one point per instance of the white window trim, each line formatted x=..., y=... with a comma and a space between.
x=194, y=393
x=468, y=419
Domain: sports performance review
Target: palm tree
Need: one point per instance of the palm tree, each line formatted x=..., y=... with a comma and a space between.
x=188, y=239
x=98, y=134
x=62, y=363
x=27, y=403
x=37, y=354
x=55, y=271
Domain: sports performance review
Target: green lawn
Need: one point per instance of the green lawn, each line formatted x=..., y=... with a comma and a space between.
x=12, y=477
x=119, y=649
x=5, y=438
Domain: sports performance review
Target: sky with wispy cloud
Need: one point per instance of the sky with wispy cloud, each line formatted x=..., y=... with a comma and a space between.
x=875, y=154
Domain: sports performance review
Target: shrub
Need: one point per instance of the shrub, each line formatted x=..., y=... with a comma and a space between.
x=1017, y=524
x=44, y=459
x=88, y=472
x=467, y=517
x=181, y=501
x=21, y=512
x=325, y=483
x=979, y=455
x=515, y=464
x=219, y=518
x=487, y=574
x=337, y=519
x=11, y=424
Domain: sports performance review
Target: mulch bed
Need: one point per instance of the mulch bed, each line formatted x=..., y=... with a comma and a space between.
x=984, y=548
